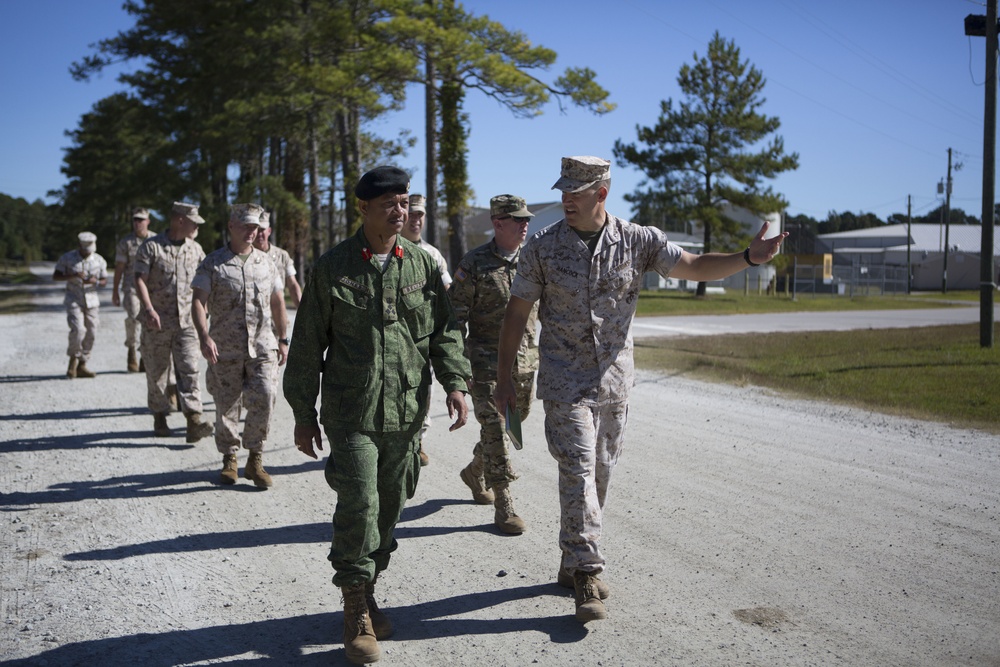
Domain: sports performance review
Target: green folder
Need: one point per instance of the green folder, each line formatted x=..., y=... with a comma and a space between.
x=513, y=419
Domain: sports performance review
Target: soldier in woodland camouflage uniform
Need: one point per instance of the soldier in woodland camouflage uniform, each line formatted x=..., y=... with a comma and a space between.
x=281, y=259
x=127, y=298
x=164, y=269
x=84, y=271
x=411, y=231
x=479, y=295
x=585, y=273
x=239, y=288
x=374, y=316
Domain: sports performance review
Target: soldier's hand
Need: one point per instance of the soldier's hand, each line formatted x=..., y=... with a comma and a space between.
x=116, y=299
x=504, y=395
x=209, y=350
x=153, y=320
x=457, y=406
x=306, y=435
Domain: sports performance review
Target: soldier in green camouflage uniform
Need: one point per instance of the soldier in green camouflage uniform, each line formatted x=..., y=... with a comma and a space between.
x=126, y=297
x=374, y=317
x=479, y=295
x=239, y=288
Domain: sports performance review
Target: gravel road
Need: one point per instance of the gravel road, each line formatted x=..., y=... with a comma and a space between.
x=743, y=528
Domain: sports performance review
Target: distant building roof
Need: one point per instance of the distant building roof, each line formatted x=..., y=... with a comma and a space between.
x=925, y=237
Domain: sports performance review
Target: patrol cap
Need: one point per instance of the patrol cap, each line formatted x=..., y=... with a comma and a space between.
x=511, y=205
x=381, y=180
x=418, y=203
x=248, y=214
x=265, y=220
x=189, y=211
x=87, y=238
x=140, y=214
x=581, y=172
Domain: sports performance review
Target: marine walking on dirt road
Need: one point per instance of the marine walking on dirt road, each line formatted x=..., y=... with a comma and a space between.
x=84, y=271
x=123, y=287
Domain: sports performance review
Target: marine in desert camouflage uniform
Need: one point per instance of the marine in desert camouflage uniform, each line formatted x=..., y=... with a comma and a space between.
x=123, y=288
x=479, y=295
x=280, y=257
x=84, y=271
x=239, y=289
x=585, y=272
x=164, y=268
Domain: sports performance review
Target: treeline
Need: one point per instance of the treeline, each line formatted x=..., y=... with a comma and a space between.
x=30, y=231
x=271, y=102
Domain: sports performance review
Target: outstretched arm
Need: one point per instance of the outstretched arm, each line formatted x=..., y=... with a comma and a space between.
x=717, y=265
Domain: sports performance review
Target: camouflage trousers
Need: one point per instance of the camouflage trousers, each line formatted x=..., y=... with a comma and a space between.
x=586, y=442
x=373, y=474
x=243, y=383
x=494, y=445
x=83, y=323
x=133, y=325
x=159, y=348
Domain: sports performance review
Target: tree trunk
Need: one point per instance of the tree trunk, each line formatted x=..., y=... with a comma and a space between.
x=453, y=166
x=314, y=203
x=430, y=131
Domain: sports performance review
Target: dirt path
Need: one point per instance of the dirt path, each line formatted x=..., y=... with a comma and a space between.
x=742, y=528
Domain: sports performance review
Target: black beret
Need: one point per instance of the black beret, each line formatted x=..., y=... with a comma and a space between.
x=381, y=180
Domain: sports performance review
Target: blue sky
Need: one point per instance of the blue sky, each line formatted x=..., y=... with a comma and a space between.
x=870, y=94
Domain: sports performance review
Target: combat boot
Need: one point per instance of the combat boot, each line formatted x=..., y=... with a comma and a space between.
x=381, y=625
x=424, y=459
x=472, y=475
x=172, y=397
x=360, y=642
x=132, y=363
x=83, y=372
x=565, y=579
x=255, y=471
x=71, y=371
x=196, y=428
x=230, y=470
x=160, y=427
x=504, y=517
x=589, y=606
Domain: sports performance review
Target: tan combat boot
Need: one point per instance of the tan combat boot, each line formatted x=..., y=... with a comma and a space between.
x=589, y=606
x=255, y=471
x=472, y=475
x=424, y=459
x=565, y=579
x=504, y=517
x=160, y=427
x=381, y=624
x=71, y=371
x=83, y=372
x=230, y=470
x=360, y=642
x=132, y=363
x=196, y=428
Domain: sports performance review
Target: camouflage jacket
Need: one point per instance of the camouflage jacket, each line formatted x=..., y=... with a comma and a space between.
x=479, y=295
x=282, y=260
x=125, y=252
x=91, y=266
x=239, y=302
x=586, y=305
x=168, y=270
x=370, y=337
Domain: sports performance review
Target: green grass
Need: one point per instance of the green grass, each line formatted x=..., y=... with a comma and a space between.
x=734, y=302
x=933, y=373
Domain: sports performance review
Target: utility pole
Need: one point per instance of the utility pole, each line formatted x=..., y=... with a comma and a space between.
x=909, y=245
x=976, y=26
x=947, y=225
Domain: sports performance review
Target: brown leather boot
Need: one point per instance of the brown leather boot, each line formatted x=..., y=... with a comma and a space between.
x=254, y=471
x=589, y=606
x=360, y=642
x=196, y=428
x=160, y=427
x=472, y=475
x=132, y=363
x=381, y=624
x=505, y=518
x=424, y=459
x=83, y=372
x=565, y=579
x=230, y=469
x=71, y=371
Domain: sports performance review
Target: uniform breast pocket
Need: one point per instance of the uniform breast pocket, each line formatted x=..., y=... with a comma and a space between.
x=349, y=305
x=417, y=310
x=622, y=284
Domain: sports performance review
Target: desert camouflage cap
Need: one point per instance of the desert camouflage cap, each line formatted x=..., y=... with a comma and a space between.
x=189, y=211
x=418, y=203
x=87, y=238
x=140, y=214
x=248, y=214
x=511, y=205
x=265, y=220
x=581, y=172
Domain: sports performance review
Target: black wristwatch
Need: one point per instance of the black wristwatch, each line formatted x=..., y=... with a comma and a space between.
x=284, y=341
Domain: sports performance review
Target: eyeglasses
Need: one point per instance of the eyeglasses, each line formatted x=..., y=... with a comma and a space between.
x=517, y=221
